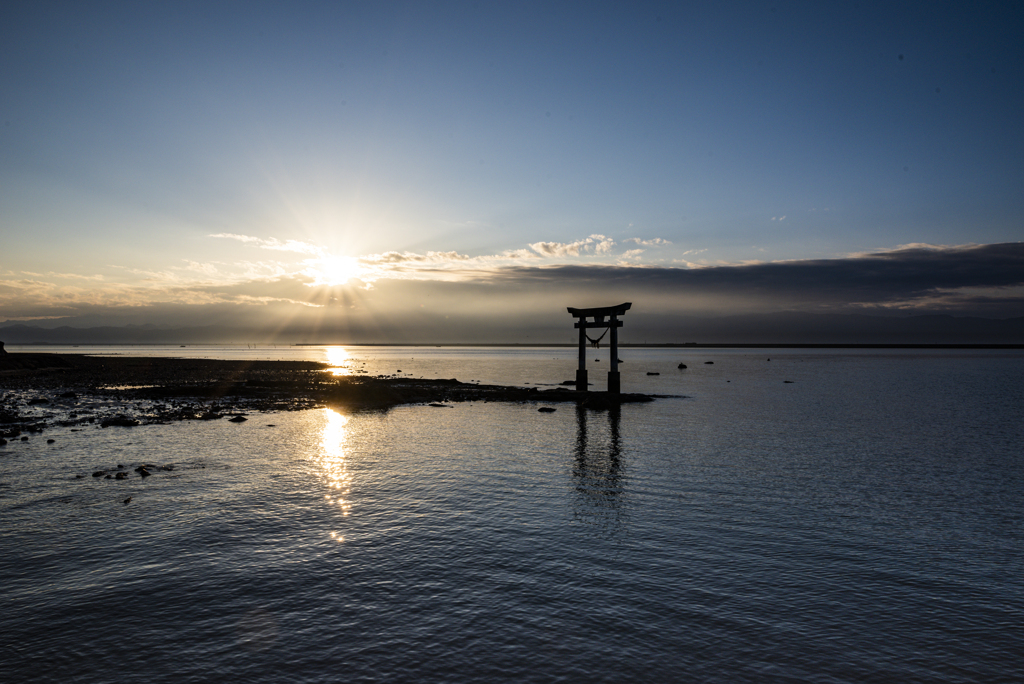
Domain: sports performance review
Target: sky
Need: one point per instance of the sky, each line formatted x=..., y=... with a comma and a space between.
x=346, y=164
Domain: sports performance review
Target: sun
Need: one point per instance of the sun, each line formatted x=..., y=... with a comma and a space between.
x=335, y=270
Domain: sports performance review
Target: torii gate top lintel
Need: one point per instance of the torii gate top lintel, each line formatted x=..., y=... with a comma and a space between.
x=600, y=311
x=604, y=317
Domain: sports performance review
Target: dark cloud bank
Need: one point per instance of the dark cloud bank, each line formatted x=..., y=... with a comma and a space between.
x=925, y=277
x=970, y=294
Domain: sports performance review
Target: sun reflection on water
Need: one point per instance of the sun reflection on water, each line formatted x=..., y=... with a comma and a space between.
x=334, y=464
x=338, y=357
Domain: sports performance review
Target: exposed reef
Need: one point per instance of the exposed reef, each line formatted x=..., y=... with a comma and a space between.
x=42, y=390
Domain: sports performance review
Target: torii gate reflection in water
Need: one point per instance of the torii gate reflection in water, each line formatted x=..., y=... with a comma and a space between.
x=613, y=323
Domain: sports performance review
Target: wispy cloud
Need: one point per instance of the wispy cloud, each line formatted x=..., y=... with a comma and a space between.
x=273, y=243
x=918, y=248
x=65, y=276
x=653, y=242
x=412, y=257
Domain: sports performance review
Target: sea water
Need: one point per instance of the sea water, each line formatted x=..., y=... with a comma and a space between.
x=821, y=516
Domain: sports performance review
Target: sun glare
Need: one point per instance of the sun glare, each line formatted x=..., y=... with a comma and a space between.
x=334, y=270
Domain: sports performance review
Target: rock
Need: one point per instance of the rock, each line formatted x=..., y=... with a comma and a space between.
x=2, y=352
x=121, y=476
x=109, y=477
x=144, y=473
x=69, y=395
x=79, y=477
x=546, y=409
x=37, y=401
x=437, y=405
x=709, y=363
x=127, y=501
x=237, y=419
x=99, y=473
x=787, y=382
x=681, y=366
x=271, y=425
x=649, y=373
x=24, y=439
x=3, y=441
x=50, y=441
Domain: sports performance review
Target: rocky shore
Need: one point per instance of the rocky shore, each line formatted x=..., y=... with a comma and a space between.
x=43, y=390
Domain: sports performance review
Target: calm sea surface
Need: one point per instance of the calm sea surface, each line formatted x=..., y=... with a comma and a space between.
x=863, y=522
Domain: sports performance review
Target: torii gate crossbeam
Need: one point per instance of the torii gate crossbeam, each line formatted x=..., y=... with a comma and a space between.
x=611, y=313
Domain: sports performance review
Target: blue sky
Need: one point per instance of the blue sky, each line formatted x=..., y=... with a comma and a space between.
x=157, y=157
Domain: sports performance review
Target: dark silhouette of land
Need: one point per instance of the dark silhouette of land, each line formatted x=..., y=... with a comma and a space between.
x=73, y=389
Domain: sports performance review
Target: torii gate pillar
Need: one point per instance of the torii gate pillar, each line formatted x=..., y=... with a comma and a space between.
x=613, y=323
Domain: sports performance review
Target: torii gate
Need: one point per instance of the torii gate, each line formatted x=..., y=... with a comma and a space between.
x=613, y=323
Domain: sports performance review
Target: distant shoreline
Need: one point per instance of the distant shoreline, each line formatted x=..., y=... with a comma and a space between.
x=542, y=345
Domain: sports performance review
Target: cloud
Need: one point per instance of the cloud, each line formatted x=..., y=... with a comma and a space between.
x=65, y=276
x=453, y=265
x=518, y=254
x=208, y=269
x=602, y=244
x=273, y=243
x=559, y=249
x=653, y=242
x=965, y=279
x=412, y=257
x=912, y=277
x=914, y=247
x=431, y=265
x=595, y=244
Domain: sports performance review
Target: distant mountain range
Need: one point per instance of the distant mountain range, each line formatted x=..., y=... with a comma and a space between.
x=771, y=328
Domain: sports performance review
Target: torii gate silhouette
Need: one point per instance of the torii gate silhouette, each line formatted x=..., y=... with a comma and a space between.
x=613, y=323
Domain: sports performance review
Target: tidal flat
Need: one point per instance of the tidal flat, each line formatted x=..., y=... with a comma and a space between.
x=44, y=390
